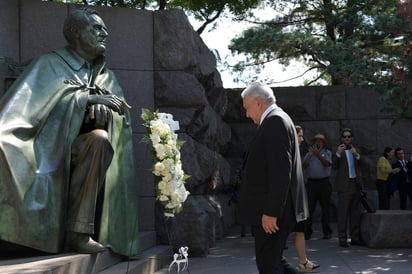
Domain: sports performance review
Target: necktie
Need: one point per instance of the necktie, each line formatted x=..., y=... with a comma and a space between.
x=351, y=164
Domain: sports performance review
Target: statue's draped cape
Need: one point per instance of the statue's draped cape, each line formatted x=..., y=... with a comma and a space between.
x=40, y=116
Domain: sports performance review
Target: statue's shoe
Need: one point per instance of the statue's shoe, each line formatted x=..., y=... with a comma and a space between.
x=83, y=243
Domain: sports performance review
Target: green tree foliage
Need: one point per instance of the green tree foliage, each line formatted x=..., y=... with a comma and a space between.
x=352, y=42
x=135, y=4
x=206, y=11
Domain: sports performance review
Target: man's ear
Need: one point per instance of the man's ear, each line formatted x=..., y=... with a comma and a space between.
x=258, y=101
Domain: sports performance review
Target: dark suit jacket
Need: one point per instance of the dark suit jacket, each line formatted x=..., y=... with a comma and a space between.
x=273, y=183
x=402, y=176
x=342, y=173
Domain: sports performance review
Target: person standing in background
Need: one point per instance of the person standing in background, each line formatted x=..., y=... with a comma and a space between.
x=305, y=265
x=347, y=161
x=317, y=165
x=272, y=193
x=403, y=177
x=383, y=170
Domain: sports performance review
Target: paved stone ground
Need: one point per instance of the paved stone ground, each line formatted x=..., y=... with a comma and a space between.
x=234, y=254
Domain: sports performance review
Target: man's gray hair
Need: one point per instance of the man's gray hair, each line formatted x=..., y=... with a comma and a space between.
x=75, y=22
x=260, y=90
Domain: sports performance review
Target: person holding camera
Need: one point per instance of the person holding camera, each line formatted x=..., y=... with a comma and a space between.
x=347, y=162
x=317, y=165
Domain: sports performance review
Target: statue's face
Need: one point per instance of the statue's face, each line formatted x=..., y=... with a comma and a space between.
x=92, y=39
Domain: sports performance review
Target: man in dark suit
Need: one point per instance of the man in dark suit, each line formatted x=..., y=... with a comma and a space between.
x=348, y=180
x=273, y=195
x=402, y=178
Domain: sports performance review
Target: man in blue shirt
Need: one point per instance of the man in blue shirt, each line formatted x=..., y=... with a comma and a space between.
x=317, y=165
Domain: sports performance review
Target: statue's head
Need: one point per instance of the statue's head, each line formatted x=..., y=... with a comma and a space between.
x=86, y=33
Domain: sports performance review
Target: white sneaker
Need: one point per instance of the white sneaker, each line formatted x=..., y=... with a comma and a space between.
x=308, y=266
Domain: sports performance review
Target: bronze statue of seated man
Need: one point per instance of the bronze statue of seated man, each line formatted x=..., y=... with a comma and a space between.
x=65, y=138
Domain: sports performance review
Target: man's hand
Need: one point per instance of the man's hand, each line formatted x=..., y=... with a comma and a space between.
x=101, y=114
x=112, y=101
x=341, y=148
x=314, y=150
x=354, y=151
x=269, y=224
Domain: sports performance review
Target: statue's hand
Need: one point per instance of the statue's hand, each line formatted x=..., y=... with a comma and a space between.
x=101, y=114
x=112, y=101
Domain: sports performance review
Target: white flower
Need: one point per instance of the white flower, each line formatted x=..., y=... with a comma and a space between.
x=160, y=151
x=155, y=139
x=163, y=198
x=160, y=128
x=167, y=167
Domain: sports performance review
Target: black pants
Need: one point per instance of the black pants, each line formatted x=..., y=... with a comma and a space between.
x=383, y=194
x=349, y=214
x=405, y=191
x=269, y=247
x=269, y=250
x=319, y=191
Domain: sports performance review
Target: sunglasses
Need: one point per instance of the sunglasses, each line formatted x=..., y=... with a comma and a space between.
x=347, y=136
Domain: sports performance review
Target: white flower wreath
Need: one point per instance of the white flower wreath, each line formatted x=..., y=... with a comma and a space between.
x=167, y=168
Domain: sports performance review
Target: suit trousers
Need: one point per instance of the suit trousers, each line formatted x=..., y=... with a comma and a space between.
x=382, y=186
x=269, y=247
x=405, y=191
x=92, y=154
x=269, y=250
x=319, y=190
x=349, y=213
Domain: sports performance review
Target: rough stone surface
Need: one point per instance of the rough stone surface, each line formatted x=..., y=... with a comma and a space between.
x=208, y=169
x=387, y=229
x=173, y=41
x=9, y=25
x=193, y=227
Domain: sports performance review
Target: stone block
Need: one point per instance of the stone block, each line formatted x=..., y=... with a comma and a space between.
x=205, y=60
x=173, y=40
x=138, y=91
x=235, y=113
x=331, y=103
x=207, y=168
x=41, y=27
x=146, y=222
x=394, y=134
x=9, y=29
x=356, y=100
x=143, y=164
x=387, y=229
x=225, y=213
x=297, y=104
x=193, y=227
x=130, y=41
x=178, y=88
x=328, y=128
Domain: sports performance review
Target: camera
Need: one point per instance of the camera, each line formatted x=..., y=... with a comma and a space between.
x=315, y=146
x=348, y=147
